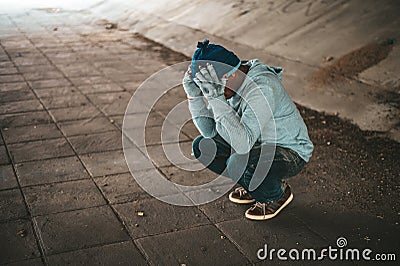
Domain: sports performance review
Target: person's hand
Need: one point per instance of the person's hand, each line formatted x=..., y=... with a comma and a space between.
x=189, y=86
x=209, y=83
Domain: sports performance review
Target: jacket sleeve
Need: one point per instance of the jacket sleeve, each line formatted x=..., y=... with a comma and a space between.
x=203, y=118
x=243, y=132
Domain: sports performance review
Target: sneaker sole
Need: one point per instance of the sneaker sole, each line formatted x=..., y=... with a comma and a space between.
x=239, y=201
x=269, y=216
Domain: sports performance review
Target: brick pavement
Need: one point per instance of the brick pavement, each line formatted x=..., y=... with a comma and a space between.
x=66, y=193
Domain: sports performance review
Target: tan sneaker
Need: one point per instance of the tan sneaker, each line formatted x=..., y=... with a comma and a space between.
x=265, y=211
x=240, y=196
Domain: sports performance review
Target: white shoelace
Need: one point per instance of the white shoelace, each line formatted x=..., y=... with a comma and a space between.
x=241, y=191
x=259, y=205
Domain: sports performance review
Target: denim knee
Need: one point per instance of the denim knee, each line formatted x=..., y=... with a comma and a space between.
x=195, y=146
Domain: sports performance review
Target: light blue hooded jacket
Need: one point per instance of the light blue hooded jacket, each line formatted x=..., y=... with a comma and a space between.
x=261, y=112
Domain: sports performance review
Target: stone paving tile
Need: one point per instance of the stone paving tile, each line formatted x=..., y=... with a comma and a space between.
x=68, y=231
x=115, y=64
x=188, y=178
x=208, y=192
x=65, y=196
x=96, y=124
x=50, y=83
x=136, y=157
x=157, y=155
x=8, y=70
x=282, y=231
x=106, y=141
x=124, y=253
x=4, y=159
x=190, y=130
x=121, y=188
x=113, y=72
x=135, y=74
x=36, y=69
x=49, y=171
x=80, y=70
x=115, y=108
x=101, y=88
x=116, y=77
x=7, y=177
x=11, y=78
x=105, y=163
x=130, y=85
x=17, y=241
x=30, y=61
x=108, y=98
x=12, y=205
x=200, y=244
x=173, y=217
x=72, y=100
x=74, y=113
x=16, y=95
x=169, y=100
x=41, y=149
x=223, y=209
x=28, y=51
x=39, y=75
x=85, y=81
x=55, y=92
x=21, y=106
x=24, y=119
x=5, y=63
x=31, y=262
x=178, y=153
x=14, y=86
x=152, y=135
x=302, y=197
x=135, y=106
x=31, y=132
x=140, y=119
x=156, y=184
x=61, y=59
x=117, y=120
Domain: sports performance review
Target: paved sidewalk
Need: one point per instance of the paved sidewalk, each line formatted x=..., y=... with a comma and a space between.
x=67, y=196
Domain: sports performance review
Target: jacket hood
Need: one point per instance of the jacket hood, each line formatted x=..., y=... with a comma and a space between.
x=257, y=68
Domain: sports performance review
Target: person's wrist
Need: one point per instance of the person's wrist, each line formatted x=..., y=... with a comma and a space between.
x=192, y=96
x=219, y=106
x=217, y=99
x=196, y=103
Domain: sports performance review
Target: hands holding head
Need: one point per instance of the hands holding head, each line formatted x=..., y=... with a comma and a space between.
x=207, y=81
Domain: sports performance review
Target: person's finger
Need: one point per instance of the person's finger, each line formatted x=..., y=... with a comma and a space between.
x=204, y=90
x=205, y=74
x=212, y=72
x=186, y=77
x=200, y=77
x=197, y=82
x=223, y=81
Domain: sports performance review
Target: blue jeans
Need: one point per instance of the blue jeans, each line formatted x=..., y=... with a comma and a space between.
x=285, y=163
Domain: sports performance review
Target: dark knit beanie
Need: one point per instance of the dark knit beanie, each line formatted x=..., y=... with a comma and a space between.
x=213, y=52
